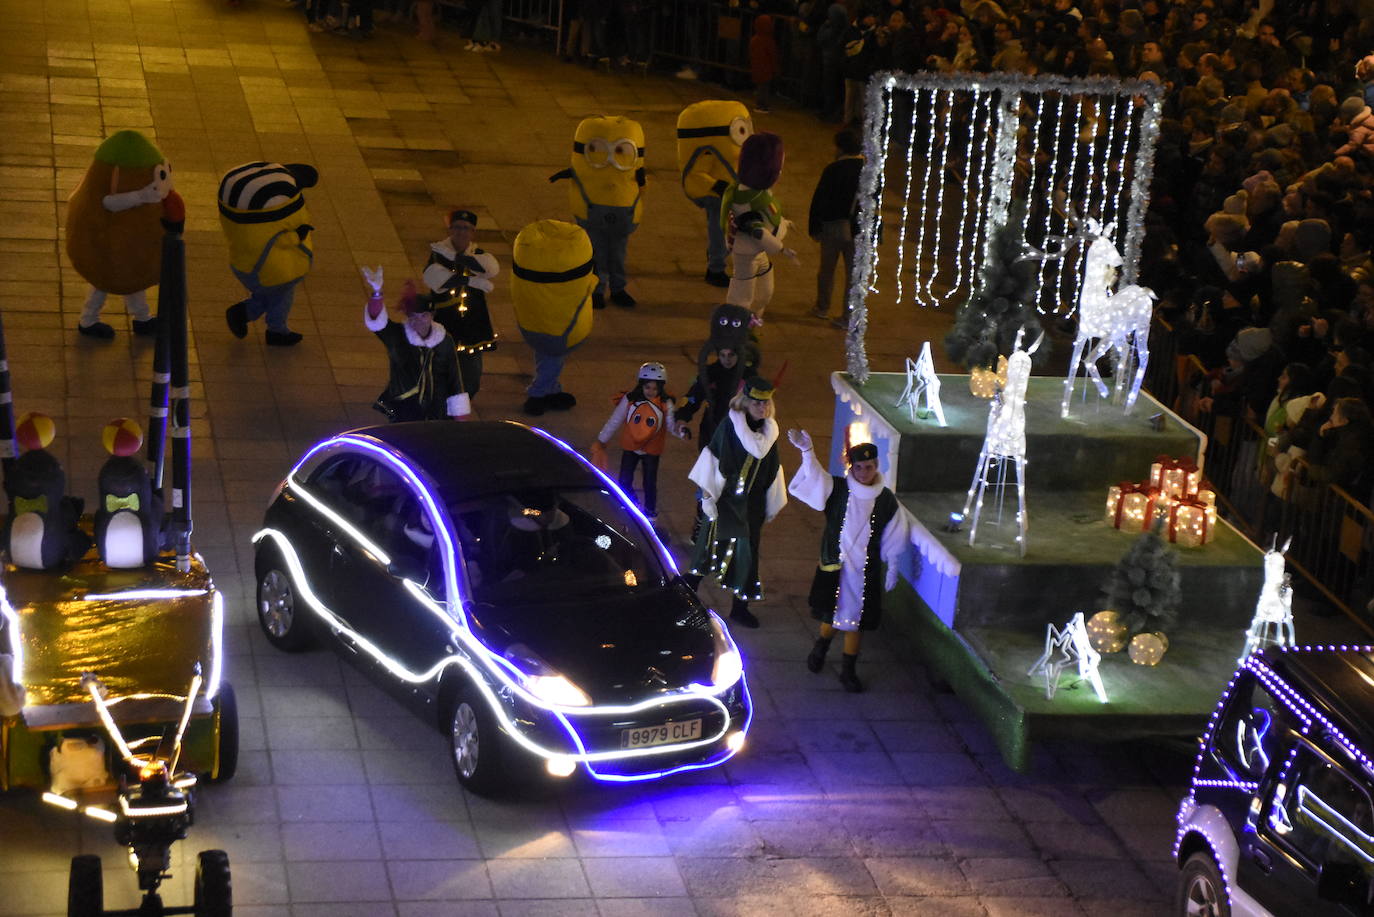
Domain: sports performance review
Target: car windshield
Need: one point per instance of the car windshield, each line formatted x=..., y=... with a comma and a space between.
x=545, y=546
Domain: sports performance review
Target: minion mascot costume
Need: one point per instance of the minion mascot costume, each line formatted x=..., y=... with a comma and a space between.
x=606, y=194
x=551, y=282
x=114, y=233
x=709, y=137
x=263, y=215
x=751, y=218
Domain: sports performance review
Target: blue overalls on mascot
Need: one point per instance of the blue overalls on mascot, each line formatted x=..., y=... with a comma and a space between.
x=709, y=137
x=264, y=218
x=114, y=228
x=551, y=286
x=606, y=191
x=752, y=220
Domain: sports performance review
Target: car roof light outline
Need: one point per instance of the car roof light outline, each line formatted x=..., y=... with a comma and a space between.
x=16, y=638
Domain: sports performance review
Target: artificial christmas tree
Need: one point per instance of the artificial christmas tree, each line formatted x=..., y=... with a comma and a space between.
x=1145, y=586
x=1002, y=304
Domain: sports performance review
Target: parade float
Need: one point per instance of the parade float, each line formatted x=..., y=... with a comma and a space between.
x=1018, y=201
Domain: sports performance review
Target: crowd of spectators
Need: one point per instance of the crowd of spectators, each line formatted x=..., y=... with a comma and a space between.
x=1261, y=222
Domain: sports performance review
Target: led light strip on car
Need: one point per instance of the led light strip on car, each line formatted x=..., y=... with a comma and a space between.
x=16, y=643
x=498, y=666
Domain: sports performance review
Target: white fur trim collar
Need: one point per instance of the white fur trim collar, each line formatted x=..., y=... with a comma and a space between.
x=865, y=491
x=433, y=339
x=443, y=247
x=756, y=444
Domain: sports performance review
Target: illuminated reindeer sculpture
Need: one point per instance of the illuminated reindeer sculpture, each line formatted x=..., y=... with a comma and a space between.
x=1108, y=318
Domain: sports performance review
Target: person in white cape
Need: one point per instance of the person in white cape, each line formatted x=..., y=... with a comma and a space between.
x=865, y=528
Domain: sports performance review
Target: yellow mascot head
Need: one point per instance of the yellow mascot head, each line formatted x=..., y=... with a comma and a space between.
x=552, y=281
x=264, y=217
x=608, y=162
x=709, y=137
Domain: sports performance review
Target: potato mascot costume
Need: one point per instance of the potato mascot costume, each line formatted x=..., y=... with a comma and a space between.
x=709, y=137
x=264, y=218
x=751, y=218
x=551, y=283
x=605, y=193
x=114, y=228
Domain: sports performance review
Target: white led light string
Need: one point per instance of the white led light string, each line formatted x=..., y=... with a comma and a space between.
x=978, y=209
x=921, y=276
x=1069, y=263
x=1048, y=197
x=906, y=198
x=968, y=213
x=940, y=193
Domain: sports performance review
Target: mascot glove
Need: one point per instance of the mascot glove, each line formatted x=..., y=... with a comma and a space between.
x=890, y=580
x=481, y=283
x=374, y=280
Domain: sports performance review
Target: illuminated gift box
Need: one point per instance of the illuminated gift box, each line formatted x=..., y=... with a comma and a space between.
x=1192, y=520
x=1175, y=477
x=1131, y=507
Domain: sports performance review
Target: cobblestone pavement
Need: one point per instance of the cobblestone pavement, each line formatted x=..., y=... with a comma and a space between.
x=892, y=801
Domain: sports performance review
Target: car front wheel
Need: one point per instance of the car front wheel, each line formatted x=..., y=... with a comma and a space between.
x=1202, y=892
x=476, y=745
x=279, y=607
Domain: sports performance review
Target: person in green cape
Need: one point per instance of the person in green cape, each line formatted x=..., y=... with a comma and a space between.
x=742, y=487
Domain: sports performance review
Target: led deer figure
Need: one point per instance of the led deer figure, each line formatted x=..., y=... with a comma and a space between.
x=1273, y=621
x=1005, y=442
x=1114, y=319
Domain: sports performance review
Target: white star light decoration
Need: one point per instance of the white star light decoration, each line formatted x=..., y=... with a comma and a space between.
x=1272, y=624
x=1064, y=647
x=922, y=381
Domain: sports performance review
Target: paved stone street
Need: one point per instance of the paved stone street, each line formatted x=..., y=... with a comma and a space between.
x=892, y=801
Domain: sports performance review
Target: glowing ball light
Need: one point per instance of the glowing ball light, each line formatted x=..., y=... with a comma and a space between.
x=1106, y=632
x=984, y=382
x=35, y=431
x=122, y=436
x=1148, y=649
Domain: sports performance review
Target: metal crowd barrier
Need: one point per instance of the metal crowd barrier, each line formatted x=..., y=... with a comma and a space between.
x=1332, y=532
x=541, y=15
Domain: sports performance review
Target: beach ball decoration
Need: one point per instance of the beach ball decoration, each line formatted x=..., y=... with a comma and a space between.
x=35, y=431
x=122, y=436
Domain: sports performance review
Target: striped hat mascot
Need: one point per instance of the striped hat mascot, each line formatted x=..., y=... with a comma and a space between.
x=263, y=214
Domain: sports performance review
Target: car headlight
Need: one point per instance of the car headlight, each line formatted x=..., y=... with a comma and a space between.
x=729, y=665
x=543, y=681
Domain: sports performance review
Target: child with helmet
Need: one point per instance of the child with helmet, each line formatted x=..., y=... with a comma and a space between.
x=644, y=416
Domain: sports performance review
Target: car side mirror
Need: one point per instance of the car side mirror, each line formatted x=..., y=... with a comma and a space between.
x=1343, y=882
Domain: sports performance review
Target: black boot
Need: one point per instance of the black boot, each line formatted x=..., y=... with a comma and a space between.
x=741, y=615
x=815, y=660
x=848, y=679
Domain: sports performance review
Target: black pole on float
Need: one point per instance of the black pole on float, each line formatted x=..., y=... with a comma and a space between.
x=157, y=405
x=9, y=449
x=172, y=313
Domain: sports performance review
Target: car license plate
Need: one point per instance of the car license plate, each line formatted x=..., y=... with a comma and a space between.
x=667, y=734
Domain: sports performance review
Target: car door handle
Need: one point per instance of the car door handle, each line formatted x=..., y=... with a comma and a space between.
x=339, y=550
x=1261, y=859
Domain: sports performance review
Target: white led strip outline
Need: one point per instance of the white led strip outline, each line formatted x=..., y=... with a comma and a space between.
x=462, y=634
x=475, y=676
x=1050, y=178
x=16, y=640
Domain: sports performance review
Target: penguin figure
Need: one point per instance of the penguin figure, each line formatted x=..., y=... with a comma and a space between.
x=128, y=520
x=40, y=529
